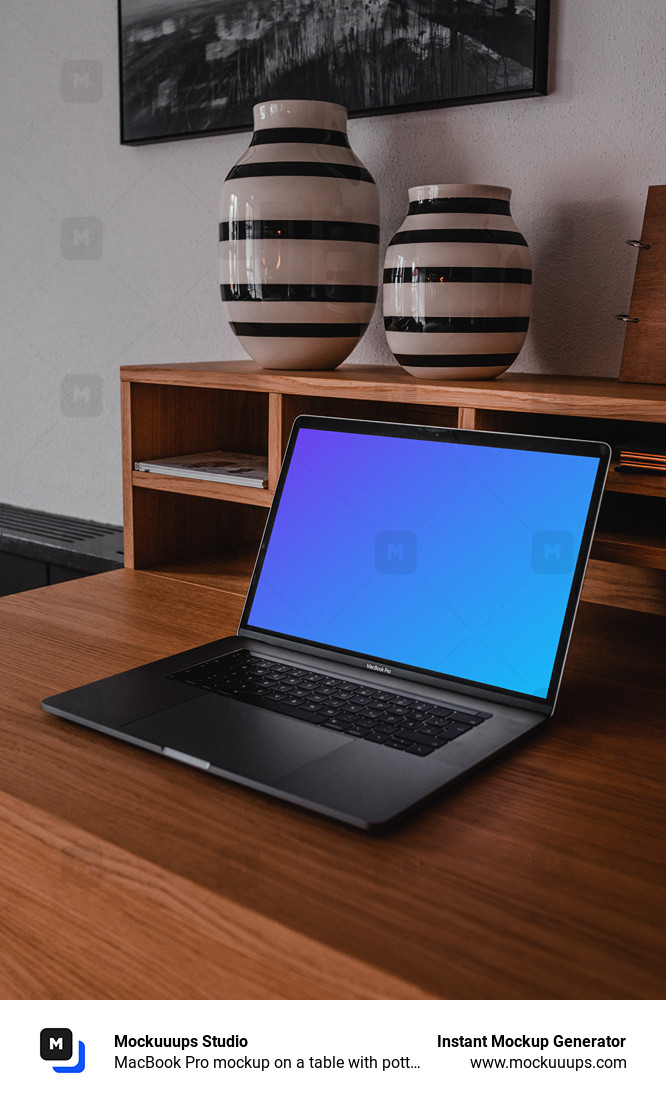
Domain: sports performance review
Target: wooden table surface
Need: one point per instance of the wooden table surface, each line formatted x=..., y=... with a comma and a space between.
x=126, y=875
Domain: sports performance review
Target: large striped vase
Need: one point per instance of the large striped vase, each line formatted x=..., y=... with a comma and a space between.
x=299, y=239
x=457, y=283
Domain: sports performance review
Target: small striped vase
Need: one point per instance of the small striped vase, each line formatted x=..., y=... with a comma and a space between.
x=299, y=239
x=457, y=283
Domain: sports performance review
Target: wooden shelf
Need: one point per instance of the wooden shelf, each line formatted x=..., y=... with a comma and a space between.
x=213, y=490
x=227, y=571
x=647, y=550
x=650, y=485
x=632, y=531
x=207, y=533
x=559, y=394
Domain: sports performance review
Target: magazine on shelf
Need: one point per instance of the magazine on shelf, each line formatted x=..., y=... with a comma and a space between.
x=227, y=466
x=643, y=454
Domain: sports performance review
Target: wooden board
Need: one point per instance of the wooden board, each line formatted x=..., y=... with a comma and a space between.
x=563, y=395
x=188, y=407
x=126, y=875
x=644, y=356
x=619, y=585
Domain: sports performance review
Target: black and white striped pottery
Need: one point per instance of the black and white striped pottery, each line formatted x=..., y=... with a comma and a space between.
x=299, y=239
x=457, y=283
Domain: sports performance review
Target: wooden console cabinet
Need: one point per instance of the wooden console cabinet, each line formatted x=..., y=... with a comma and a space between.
x=207, y=533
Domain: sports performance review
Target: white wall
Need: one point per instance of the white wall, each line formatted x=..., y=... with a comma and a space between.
x=579, y=162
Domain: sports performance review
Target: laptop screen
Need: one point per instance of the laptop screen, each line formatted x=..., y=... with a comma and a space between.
x=439, y=553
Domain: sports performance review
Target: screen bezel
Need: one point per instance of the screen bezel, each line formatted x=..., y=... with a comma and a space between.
x=585, y=448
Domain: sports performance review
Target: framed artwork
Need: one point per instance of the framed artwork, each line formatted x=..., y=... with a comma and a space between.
x=195, y=67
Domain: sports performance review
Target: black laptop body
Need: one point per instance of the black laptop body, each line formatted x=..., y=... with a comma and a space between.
x=408, y=618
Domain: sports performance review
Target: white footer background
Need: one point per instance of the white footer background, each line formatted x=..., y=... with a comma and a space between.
x=400, y=1036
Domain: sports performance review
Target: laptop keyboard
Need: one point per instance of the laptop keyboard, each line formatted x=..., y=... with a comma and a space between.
x=416, y=726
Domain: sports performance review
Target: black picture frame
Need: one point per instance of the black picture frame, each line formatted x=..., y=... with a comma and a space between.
x=194, y=68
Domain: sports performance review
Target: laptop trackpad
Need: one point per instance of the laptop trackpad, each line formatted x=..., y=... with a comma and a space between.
x=235, y=737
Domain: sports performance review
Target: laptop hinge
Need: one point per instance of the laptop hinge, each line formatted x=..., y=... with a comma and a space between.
x=360, y=665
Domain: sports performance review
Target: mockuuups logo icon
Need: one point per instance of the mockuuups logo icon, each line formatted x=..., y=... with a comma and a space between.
x=56, y=1045
x=395, y=552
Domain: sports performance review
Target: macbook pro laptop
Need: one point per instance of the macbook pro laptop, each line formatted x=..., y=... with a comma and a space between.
x=408, y=618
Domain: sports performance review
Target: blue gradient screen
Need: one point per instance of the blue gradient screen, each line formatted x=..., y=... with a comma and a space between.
x=450, y=557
